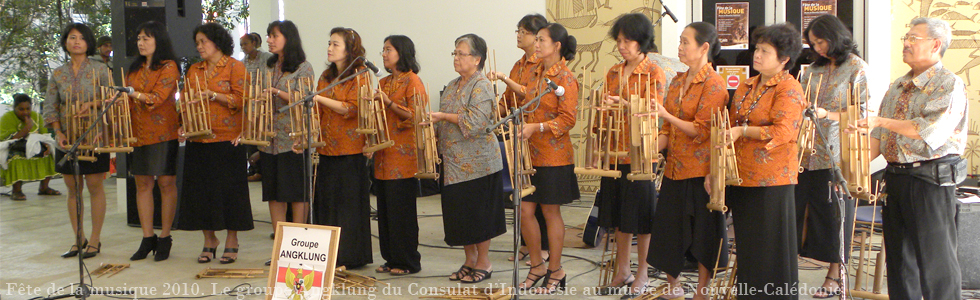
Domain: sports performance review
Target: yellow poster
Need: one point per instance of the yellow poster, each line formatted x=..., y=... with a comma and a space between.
x=733, y=75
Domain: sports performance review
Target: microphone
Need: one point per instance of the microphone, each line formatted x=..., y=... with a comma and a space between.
x=124, y=89
x=668, y=12
x=559, y=90
x=373, y=68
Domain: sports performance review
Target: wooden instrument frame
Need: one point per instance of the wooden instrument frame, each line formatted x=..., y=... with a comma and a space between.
x=195, y=112
x=258, y=110
x=807, y=129
x=521, y=169
x=602, y=150
x=855, y=148
x=116, y=130
x=644, y=135
x=722, y=283
x=426, y=145
x=80, y=119
x=372, y=119
x=724, y=165
x=297, y=121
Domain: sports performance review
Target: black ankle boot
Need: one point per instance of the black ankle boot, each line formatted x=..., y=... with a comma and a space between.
x=163, y=248
x=148, y=244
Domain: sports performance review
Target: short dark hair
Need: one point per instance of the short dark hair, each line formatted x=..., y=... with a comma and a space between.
x=478, y=46
x=255, y=38
x=354, y=48
x=406, y=53
x=86, y=35
x=293, y=54
x=839, y=40
x=103, y=40
x=532, y=22
x=706, y=33
x=21, y=98
x=785, y=38
x=164, y=50
x=218, y=35
x=635, y=27
x=557, y=33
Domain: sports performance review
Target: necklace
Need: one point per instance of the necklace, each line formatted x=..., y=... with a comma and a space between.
x=738, y=110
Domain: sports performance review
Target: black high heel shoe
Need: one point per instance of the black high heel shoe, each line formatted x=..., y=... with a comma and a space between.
x=148, y=244
x=162, y=251
x=225, y=259
x=88, y=254
x=536, y=277
x=554, y=284
x=74, y=250
x=203, y=259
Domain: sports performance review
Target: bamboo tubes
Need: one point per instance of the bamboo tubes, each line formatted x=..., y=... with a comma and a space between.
x=116, y=132
x=257, y=125
x=723, y=165
x=297, y=118
x=601, y=136
x=425, y=139
x=372, y=119
x=855, y=148
x=722, y=284
x=643, y=134
x=807, y=129
x=195, y=111
x=521, y=169
x=79, y=120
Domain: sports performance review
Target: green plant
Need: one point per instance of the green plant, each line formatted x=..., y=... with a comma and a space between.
x=227, y=13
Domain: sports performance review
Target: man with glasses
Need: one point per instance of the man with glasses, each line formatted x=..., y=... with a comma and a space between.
x=921, y=131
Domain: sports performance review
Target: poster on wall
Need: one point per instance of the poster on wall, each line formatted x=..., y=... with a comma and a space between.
x=733, y=75
x=303, y=262
x=732, y=21
x=811, y=9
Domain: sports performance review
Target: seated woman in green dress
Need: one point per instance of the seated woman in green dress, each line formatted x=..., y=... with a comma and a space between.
x=27, y=154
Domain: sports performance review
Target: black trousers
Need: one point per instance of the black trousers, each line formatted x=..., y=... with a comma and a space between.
x=398, y=223
x=817, y=210
x=765, y=238
x=919, y=223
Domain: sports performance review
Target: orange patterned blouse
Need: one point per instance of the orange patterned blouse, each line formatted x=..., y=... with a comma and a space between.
x=777, y=107
x=689, y=157
x=338, y=130
x=522, y=73
x=155, y=118
x=647, y=76
x=553, y=147
x=228, y=79
x=399, y=161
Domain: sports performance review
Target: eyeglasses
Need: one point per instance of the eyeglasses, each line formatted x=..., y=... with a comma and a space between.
x=456, y=54
x=522, y=32
x=911, y=39
x=386, y=51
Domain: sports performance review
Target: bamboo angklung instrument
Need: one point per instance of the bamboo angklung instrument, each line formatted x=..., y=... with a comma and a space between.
x=723, y=165
x=257, y=125
x=297, y=117
x=117, y=128
x=643, y=134
x=602, y=150
x=79, y=119
x=855, y=148
x=722, y=284
x=195, y=113
x=522, y=167
x=425, y=139
x=372, y=119
x=807, y=129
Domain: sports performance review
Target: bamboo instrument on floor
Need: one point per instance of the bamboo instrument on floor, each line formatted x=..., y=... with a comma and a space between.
x=425, y=139
x=257, y=126
x=723, y=165
x=297, y=118
x=807, y=129
x=195, y=112
x=372, y=120
x=117, y=127
x=855, y=148
x=644, y=135
x=722, y=283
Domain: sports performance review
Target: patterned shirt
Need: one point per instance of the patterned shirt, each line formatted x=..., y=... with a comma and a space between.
x=468, y=151
x=281, y=142
x=777, y=108
x=834, y=85
x=339, y=131
x=399, y=161
x=689, y=157
x=522, y=73
x=935, y=102
x=647, y=76
x=65, y=85
x=670, y=65
x=228, y=79
x=155, y=118
x=254, y=64
x=553, y=147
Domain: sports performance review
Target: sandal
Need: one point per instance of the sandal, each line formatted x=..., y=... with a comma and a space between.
x=459, y=274
x=829, y=293
x=553, y=284
x=383, y=269
x=203, y=259
x=534, y=280
x=400, y=272
x=225, y=259
x=18, y=196
x=477, y=275
x=48, y=192
x=522, y=254
x=616, y=289
x=544, y=259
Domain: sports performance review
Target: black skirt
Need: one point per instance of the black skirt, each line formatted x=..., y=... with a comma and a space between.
x=765, y=237
x=158, y=159
x=627, y=205
x=472, y=211
x=685, y=227
x=215, y=189
x=817, y=210
x=343, y=199
x=554, y=185
x=100, y=165
x=282, y=176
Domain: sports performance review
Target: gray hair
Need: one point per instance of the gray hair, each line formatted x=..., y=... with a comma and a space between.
x=938, y=29
x=478, y=47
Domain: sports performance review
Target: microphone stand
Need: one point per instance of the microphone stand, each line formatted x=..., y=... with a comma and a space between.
x=308, y=151
x=840, y=183
x=517, y=115
x=72, y=153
